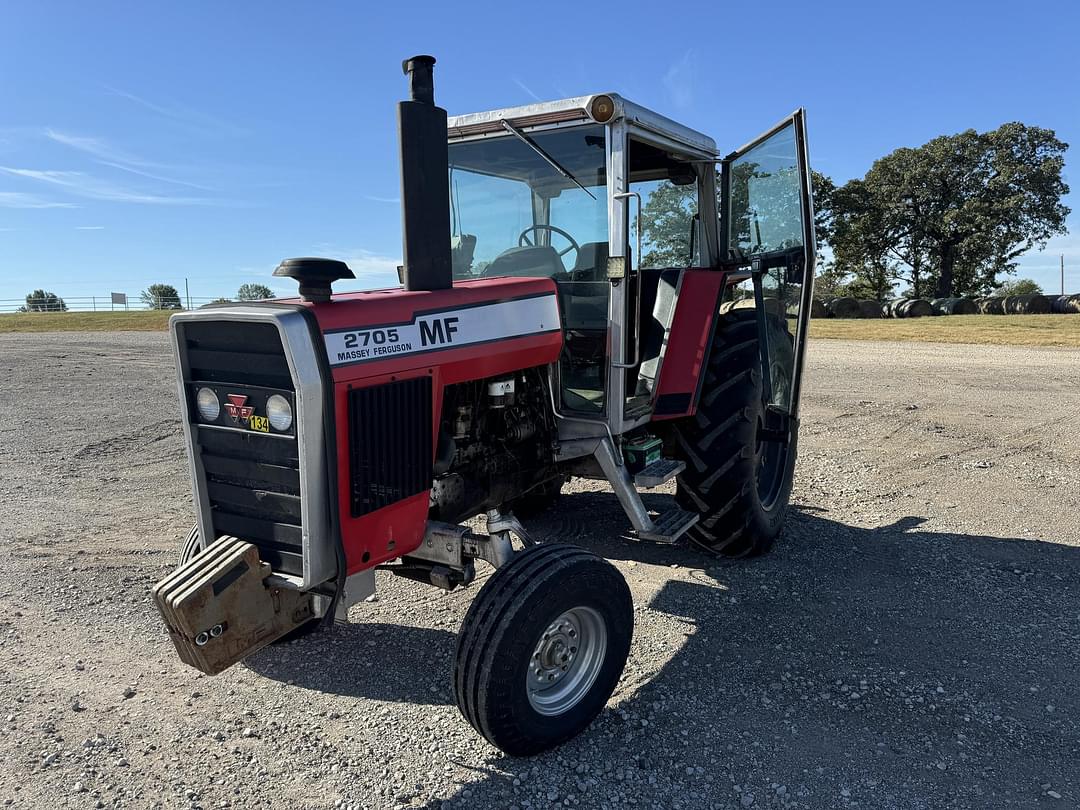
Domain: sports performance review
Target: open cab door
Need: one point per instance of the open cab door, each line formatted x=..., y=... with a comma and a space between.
x=767, y=229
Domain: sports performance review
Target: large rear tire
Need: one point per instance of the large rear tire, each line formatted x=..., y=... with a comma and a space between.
x=542, y=647
x=738, y=484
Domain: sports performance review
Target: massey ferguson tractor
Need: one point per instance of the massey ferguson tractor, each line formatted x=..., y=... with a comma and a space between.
x=578, y=298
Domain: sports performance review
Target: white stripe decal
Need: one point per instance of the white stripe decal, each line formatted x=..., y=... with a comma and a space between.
x=445, y=329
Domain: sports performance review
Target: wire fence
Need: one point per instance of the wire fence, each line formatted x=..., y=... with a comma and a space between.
x=114, y=302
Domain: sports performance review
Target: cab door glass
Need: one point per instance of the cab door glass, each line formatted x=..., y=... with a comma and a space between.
x=766, y=211
x=766, y=231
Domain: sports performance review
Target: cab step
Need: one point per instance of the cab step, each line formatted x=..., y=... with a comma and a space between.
x=659, y=472
x=670, y=526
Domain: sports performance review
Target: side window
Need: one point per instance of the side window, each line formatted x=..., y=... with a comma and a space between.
x=670, y=232
x=670, y=236
x=487, y=214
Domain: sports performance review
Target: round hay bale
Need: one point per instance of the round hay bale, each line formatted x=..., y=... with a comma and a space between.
x=914, y=308
x=1065, y=304
x=869, y=309
x=954, y=306
x=817, y=309
x=964, y=306
x=891, y=308
x=994, y=305
x=843, y=308
x=1027, y=305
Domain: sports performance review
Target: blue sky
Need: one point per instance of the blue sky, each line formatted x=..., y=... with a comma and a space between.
x=144, y=142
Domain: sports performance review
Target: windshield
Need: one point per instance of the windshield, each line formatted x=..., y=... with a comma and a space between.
x=513, y=213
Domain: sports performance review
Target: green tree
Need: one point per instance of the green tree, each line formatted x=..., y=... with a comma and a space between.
x=950, y=215
x=44, y=301
x=161, y=296
x=253, y=292
x=1019, y=286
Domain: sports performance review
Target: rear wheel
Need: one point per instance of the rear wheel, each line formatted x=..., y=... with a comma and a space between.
x=191, y=549
x=738, y=482
x=542, y=647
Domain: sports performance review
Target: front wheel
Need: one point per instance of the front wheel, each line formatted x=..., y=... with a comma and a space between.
x=542, y=647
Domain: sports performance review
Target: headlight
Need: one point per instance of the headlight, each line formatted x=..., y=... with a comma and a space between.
x=279, y=411
x=209, y=406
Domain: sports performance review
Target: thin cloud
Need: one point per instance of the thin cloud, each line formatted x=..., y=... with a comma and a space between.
x=525, y=88
x=382, y=199
x=89, y=227
x=185, y=116
x=679, y=80
x=108, y=155
x=85, y=185
x=19, y=199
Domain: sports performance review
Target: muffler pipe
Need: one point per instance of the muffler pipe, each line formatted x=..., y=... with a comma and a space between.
x=425, y=186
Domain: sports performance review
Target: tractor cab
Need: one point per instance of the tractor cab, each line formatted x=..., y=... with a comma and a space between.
x=615, y=204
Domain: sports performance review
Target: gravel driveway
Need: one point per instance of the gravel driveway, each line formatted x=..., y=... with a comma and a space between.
x=913, y=641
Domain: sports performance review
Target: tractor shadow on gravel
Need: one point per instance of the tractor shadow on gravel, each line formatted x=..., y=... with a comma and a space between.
x=850, y=663
x=885, y=664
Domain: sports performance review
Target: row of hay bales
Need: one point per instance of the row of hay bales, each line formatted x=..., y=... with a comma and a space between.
x=845, y=307
x=1030, y=305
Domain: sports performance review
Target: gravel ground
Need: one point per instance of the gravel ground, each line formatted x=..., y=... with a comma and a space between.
x=913, y=641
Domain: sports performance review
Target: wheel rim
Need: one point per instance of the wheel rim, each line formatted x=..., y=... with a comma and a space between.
x=566, y=661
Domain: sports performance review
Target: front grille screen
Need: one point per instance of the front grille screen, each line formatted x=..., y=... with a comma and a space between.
x=252, y=480
x=390, y=449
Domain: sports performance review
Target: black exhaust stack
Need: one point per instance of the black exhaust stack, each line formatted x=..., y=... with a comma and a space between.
x=425, y=187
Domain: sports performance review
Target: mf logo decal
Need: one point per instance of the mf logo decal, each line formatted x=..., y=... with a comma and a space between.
x=446, y=329
x=236, y=408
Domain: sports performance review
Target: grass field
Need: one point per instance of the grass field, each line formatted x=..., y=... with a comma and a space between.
x=138, y=321
x=1008, y=330
x=1005, y=330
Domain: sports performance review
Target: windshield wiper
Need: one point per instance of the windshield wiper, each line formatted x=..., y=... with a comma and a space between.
x=521, y=136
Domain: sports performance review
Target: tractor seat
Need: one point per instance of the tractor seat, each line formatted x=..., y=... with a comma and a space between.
x=591, y=262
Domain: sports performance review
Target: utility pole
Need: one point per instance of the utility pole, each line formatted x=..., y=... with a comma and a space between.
x=187, y=294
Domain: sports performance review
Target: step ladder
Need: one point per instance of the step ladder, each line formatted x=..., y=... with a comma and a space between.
x=659, y=472
x=665, y=528
x=669, y=526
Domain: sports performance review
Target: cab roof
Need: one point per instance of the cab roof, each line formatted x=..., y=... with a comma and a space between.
x=576, y=110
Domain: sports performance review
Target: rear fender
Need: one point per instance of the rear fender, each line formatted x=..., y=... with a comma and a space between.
x=686, y=352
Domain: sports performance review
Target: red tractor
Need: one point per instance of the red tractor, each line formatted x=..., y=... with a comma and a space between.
x=575, y=302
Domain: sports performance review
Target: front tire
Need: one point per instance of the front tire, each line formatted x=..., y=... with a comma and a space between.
x=542, y=647
x=738, y=484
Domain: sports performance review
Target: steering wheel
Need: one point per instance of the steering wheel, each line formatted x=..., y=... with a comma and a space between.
x=524, y=241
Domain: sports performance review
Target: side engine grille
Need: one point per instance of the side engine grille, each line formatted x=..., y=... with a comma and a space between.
x=390, y=443
x=252, y=479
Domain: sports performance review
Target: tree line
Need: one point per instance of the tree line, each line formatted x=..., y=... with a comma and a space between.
x=156, y=296
x=944, y=219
